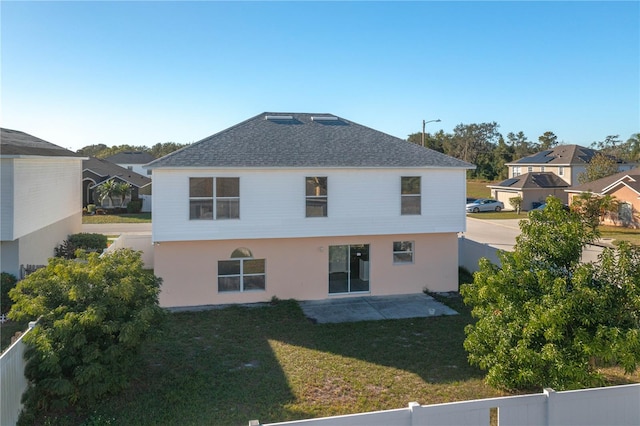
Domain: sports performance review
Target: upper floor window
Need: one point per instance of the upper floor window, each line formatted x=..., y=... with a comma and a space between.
x=316, y=196
x=411, y=199
x=529, y=169
x=560, y=171
x=149, y=171
x=129, y=167
x=542, y=168
x=516, y=171
x=214, y=198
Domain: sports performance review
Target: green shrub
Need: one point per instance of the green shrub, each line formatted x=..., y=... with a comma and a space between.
x=65, y=250
x=134, y=206
x=91, y=208
x=89, y=242
x=7, y=282
x=94, y=317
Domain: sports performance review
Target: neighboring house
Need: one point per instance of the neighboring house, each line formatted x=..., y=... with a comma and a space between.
x=625, y=187
x=41, y=202
x=533, y=188
x=305, y=206
x=97, y=171
x=133, y=160
x=566, y=162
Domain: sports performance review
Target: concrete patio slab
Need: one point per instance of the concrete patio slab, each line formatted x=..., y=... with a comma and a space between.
x=370, y=308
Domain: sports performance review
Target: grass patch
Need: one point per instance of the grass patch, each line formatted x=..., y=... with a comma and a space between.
x=117, y=218
x=498, y=215
x=270, y=363
x=620, y=233
x=8, y=330
x=478, y=188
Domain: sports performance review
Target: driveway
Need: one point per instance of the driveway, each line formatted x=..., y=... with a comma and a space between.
x=370, y=308
x=502, y=234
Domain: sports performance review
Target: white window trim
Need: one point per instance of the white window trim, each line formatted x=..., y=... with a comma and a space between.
x=214, y=199
x=412, y=252
x=241, y=275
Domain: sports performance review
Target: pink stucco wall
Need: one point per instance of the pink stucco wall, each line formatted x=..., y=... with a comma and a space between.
x=298, y=267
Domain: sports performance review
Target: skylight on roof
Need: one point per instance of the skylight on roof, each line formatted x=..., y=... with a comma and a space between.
x=278, y=117
x=324, y=118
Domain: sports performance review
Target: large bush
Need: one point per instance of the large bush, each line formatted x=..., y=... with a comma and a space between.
x=83, y=241
x=547, y=320
x=7, y=282
x=94, y=315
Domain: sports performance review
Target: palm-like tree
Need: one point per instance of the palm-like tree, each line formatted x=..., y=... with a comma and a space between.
x=112, y=189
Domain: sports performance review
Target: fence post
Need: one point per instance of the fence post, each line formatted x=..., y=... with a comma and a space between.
x=412, y=405
x=551, y=405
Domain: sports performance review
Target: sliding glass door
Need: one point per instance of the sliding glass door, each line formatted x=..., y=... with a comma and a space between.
x=349, y=268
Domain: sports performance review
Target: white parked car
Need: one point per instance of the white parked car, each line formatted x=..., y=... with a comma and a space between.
x=485, y=205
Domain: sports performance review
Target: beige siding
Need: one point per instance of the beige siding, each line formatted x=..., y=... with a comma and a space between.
x=46, y=191
x=298, y=267
x=272, y=204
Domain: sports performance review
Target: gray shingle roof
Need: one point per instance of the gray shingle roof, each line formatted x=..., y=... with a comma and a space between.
x=630, y=177
x=109, y=170
x=14, y=142
x=535, y=180
x=562, y=154
x=131, y=157
x=304, y=140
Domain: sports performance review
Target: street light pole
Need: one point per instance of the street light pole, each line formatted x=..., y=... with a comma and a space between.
x=424, y=123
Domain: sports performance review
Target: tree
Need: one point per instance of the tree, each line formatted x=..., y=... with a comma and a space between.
x=546, y=320
x=161, y=149
x=600, y=166
x=94, y=316
x=594, y=208
x=520, y=144
x=113, y=190
x=516, y=203
x=122, y=190
x=548, y=140
x=633, y=147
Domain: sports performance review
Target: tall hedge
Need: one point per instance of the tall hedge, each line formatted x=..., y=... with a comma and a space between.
x=94, y=316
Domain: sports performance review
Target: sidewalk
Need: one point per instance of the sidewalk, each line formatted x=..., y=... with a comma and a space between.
x=117, y=228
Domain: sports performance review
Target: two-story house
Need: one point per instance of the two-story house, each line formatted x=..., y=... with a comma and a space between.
x=548, y=172
x=132, y=160
x=305, y=206
x=41, y=199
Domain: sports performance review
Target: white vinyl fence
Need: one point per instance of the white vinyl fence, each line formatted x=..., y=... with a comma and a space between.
x=146, y=203
x=13, y=383
x=470, y=252
x=614, y=406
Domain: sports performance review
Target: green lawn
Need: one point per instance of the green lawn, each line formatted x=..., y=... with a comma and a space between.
x=118, y=218
x=619, y=233
x=478, y=188
x=229, y=366
x=498, y=215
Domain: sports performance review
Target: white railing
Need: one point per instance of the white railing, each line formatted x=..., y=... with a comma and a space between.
x=138, y=242
x=615, y=405
x=13, y=383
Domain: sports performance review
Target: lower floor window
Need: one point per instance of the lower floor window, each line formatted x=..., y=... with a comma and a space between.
x=241, y=275
x=403, y=252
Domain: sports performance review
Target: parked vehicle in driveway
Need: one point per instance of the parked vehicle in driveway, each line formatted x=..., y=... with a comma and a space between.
x=485, y=205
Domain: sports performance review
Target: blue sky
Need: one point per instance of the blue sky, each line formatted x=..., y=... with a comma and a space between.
x=81, y=73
